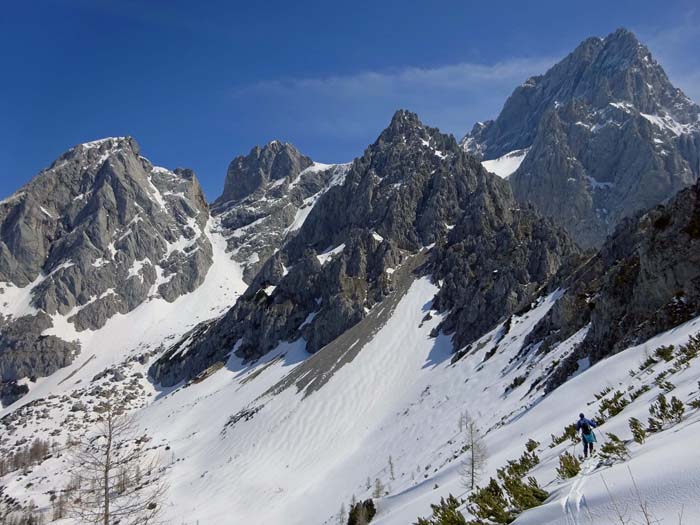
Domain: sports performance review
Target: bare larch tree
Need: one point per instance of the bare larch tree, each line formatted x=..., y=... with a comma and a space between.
x=118, y=479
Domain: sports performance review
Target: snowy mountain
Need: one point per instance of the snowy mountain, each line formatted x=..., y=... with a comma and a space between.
x=95, y=235
x=603, y=134
x=412, y=188
x=267, y=196
x=305, y=349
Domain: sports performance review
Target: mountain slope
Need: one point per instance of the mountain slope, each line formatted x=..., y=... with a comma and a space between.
x=408, y=190
x=602, y=135
x=95, y=235
x=643, y=281
x=267, y=196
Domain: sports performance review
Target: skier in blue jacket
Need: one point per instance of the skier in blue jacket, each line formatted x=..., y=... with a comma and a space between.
x=586, y=426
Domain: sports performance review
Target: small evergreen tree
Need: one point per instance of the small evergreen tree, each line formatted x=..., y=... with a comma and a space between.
x=638, y=432
x=445, y=513
x=523, y=495
x=361, y=513
x=614, y=449
x=677, y=410
x=569, y=466
x=531, y=445
x=490, y=503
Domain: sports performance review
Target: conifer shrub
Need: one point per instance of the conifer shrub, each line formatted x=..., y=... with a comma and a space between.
x=647, y=363
x=490, y=503
x=614, y=405
x=569, y=433
x=445, y=513
x=641, y=390
x=639, y=434
x=531, y=445
x=362, y=512
x=665, y=353
x=614, y=449
x=677, y=410
x=569, y=466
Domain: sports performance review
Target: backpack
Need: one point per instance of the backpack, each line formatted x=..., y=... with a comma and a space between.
x=586, y=428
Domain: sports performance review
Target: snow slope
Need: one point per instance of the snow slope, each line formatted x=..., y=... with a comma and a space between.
x=506, y=165
x=291, y=438
x=146, y=328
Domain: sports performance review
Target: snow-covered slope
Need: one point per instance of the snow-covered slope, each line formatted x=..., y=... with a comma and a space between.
x=140, y=332
x=291, y=438
x=507, y=164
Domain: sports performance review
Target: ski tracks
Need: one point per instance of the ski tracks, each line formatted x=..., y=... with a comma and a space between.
x=571, y=502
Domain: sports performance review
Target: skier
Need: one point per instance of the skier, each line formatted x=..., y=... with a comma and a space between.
x=586, y=426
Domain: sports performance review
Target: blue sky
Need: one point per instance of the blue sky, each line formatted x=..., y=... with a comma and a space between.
x=197, y=83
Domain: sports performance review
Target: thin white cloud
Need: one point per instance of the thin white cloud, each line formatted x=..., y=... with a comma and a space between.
x=451, y=97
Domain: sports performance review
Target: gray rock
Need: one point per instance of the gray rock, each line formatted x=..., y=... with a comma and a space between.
x=97, y=233
x=643, y=281
x=405, y=193
x=606, y=133
x=266, y=197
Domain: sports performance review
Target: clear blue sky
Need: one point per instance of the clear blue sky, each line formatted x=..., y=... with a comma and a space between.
x=197, y=83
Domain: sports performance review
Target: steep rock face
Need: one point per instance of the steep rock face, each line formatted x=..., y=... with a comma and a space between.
x=274, y=162
x=267, y=197
x=496, y=261
x=643, y=281
x=408, y=190
x=98, y=233
x=602, y=135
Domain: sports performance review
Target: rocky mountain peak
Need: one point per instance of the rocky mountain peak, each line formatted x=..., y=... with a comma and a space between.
x=598, y=137
x=98, y=233
x=274, y=161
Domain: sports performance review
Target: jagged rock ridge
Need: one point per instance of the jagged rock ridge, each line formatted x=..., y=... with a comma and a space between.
x=267, y=196
x=408, y=190
x=602, y=135
x=643, y=281
x=97, y=233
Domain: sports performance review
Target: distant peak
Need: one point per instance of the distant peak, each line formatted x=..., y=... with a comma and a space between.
x=622, y=33
x=403, y=118
x=404, y=123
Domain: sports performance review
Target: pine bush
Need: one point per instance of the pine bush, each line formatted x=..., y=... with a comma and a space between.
x=569, y=466
x=638, y=432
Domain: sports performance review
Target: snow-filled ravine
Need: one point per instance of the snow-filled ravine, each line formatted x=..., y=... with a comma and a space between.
x=246, y=445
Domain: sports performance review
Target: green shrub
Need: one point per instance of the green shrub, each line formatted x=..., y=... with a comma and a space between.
x=362, y=512
x=641, y=390
x=647, y=363
x=614, y=405
x=569, y=433
x=677, y=410
x=490, y=503
x=445, y=513
x=531, y=445
x=569, y=466
x=614, y=449
x=638, y=432
x=665, y=352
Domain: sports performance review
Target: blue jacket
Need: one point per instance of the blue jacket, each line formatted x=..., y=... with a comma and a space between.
x=581, y=421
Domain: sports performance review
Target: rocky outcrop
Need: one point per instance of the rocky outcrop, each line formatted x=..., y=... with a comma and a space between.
x=643, y=281
x=267, y=197
x=407, y=191
x=605, y=135
x=247, y=175
x=97, y=233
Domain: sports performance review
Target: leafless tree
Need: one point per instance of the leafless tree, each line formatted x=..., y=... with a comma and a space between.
x=117, y=477
x=475, y=460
